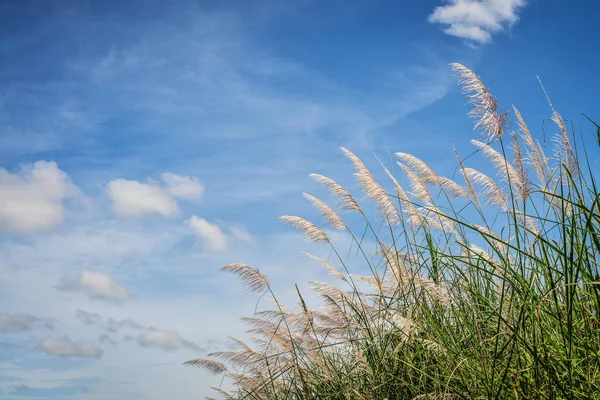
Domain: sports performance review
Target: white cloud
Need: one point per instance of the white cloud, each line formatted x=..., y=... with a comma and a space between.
x=477, y=20
x=21, y=322
x=135, y=199
x=183, y=187
x=210, y=236
x=240, y=233
x=65, y=347
x=31, y=199
x=166, y=340
x=97, y=284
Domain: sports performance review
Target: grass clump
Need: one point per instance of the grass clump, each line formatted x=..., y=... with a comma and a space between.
x=483, y=289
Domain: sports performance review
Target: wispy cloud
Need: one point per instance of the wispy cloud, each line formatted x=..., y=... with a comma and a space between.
x=98, y=284
x=66, y=348
x=105, y=339
x=22, y=322
x=166, y=340
x=32, y=199
x=210, y=235
x=477, y=20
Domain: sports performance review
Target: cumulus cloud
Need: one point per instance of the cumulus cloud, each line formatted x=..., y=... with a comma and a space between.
x=166, y=340
x=66, y=348
x=135, y=199
x=32, y=199
x=210, y=236
x=22, y=322
x=477, y=20
x=99, y=285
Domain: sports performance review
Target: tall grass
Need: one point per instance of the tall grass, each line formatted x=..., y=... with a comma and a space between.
x=487, y=288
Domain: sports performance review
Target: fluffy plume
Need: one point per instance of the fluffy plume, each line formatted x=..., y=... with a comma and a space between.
x=563, y=150
x=419, y=190
x=517, y=181
x=337, y=191
x=402, y=196
x=310, y=230
x=520, y=167
x=419, y=167
x=252, y=277
x=333, y=270
x=488, y=118
x=535, y=155
x=451, y=188
x=212, y=366
x=472, y=191
x=395, y=262
x=492, y=192
x=330, y=216
x=373, y=190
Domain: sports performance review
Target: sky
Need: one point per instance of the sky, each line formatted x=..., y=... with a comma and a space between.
x=145, y=144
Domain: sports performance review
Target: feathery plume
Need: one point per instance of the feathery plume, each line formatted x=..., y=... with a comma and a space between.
x=563, y=150
x=419, y=190
x=212, y=366
x=251, y=276
x=451, y=188
x=535, y=156
x=419, y=167
x=492, y=192
x=402, y=197
x=520, y=168
x=310, y=230
x=373, y=190
x=396, y=265
x=333, y=270
x=337, y=191
x=506, y=170
x=330, y=216
x=472, y=191
x=489, y=119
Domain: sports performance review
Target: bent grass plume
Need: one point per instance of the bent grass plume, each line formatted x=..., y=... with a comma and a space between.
x=464, y=298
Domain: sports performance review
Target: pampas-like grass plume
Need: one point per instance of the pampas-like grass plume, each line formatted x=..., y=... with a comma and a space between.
x=419, y=190
x=451, y=188
x=419, y=167
x=373, y=190
x=212, y=366
x=333, y=270
x=337, y=191
x=310, y=230
x=489, y=119
x=330, y=216
x=251, y=276
x=492, y=192
x=518, y=182
x=535, y=155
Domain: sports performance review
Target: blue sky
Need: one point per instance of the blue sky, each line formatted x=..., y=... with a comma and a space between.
x=144, y=144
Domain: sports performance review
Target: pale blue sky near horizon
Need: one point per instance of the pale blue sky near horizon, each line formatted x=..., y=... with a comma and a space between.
x=144, y=144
